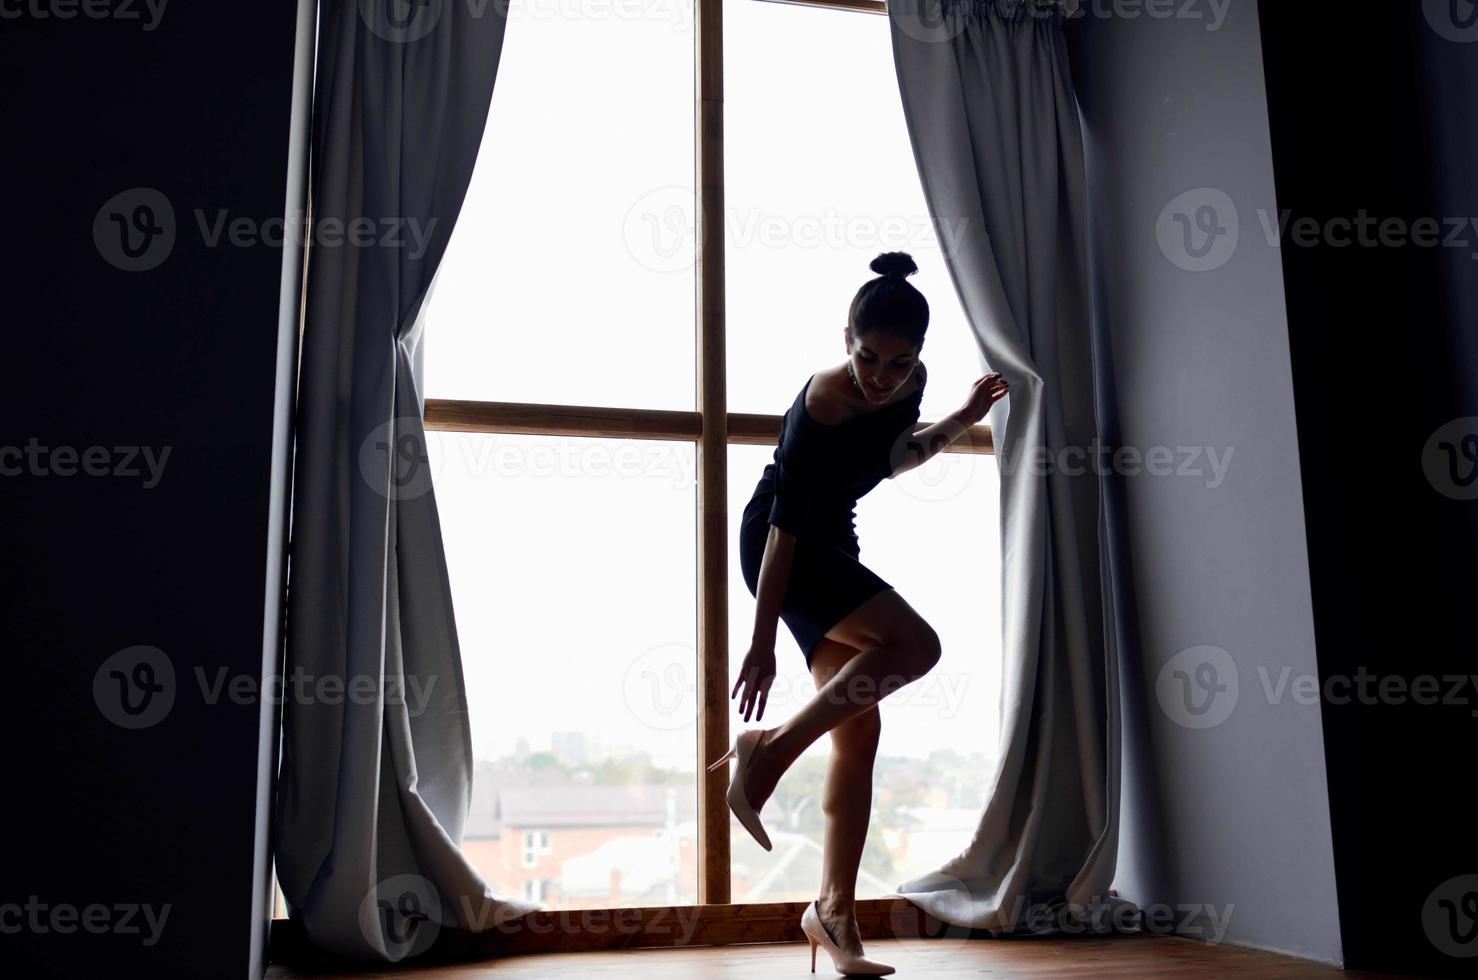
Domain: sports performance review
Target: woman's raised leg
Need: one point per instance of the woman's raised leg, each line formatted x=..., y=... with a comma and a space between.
x=894, y=646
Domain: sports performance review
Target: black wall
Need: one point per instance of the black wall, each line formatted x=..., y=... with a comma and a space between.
x=1373, y=107
x=193, y=103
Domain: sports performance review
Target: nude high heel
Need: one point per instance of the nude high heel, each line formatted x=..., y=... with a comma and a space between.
x=845, y=963
x=742, y=749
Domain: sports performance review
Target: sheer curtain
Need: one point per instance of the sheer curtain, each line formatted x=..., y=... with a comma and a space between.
x=375, y=780
x=993, y=121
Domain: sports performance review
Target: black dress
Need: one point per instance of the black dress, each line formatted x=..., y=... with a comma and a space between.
x=811, y=489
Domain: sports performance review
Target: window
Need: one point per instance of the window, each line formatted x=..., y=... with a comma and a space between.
x=569, y=276
x=802, y=227
x=569, y=374
x=535, y=844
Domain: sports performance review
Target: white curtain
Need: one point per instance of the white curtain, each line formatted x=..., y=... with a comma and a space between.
x=992, y=118
x=376, y=771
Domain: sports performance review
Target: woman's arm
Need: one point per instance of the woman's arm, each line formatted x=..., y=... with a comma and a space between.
x=928, y=441
x=922, y=444
x=757, y=672
x=774, y=576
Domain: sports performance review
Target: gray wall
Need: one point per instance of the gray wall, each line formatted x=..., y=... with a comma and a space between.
x=1235, y=815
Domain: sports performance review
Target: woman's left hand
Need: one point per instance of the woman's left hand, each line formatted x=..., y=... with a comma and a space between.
x=985, y=393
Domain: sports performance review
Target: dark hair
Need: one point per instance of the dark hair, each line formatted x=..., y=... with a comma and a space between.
x=890, y=302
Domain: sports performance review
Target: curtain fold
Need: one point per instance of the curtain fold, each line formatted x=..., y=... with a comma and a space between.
x=376, y=768
x=993, y=122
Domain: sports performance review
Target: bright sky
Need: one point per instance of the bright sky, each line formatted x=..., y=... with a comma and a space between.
x=570, y=279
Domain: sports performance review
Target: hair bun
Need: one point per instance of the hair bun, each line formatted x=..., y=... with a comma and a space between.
x=898, y=264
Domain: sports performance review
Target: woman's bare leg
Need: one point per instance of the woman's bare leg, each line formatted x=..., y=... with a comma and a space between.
x=847, y=802
x=895, y=646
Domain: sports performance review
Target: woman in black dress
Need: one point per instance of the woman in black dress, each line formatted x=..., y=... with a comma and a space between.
x=850, y=427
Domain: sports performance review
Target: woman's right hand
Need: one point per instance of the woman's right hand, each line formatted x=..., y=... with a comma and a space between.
x=756, y=674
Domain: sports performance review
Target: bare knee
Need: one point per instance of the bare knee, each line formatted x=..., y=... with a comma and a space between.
x=930, y=648
x=921, y=647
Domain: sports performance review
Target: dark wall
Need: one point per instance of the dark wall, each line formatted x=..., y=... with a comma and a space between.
x=1375, y=109
x=101, y=818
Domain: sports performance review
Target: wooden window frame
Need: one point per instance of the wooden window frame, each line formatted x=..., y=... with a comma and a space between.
x=713, y=429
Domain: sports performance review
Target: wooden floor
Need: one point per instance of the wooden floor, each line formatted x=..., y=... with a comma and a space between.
x=945, y=959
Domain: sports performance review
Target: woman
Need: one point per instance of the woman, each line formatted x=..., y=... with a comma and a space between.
x=851, y=426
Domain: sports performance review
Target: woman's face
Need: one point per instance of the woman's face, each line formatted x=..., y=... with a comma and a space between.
x=883, y=362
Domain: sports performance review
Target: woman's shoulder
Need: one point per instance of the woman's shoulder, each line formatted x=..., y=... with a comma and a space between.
x=820, y=400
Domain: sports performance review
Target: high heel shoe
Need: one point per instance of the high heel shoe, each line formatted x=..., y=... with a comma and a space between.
x=845, y=963
x=742, y=748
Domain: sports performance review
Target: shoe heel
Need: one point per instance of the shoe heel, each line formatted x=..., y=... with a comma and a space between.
x=723, y=758
x=813, y=952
